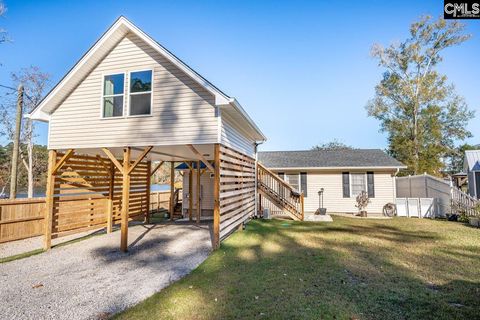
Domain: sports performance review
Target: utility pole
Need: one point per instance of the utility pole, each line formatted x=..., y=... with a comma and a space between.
x=16, y=143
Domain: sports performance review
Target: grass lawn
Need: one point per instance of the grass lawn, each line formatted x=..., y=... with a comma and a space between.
x=349, y=269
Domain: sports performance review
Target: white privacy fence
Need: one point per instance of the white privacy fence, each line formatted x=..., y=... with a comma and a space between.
x=415, y=207
x=413, y=193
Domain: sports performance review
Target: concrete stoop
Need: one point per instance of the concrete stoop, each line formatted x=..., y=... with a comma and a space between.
x=318, y=218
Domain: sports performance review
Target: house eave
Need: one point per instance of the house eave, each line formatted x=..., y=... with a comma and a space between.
x=393, y=168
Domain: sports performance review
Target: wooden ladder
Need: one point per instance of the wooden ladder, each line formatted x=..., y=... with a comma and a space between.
x=280, y=193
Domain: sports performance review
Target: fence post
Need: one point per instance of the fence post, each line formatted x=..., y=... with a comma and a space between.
x=52, y=160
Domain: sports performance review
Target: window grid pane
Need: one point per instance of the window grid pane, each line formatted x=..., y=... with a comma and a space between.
x=358, y=183
x=140, y=104
x=113, y=86
x=141, y=81
x=293, y=181
x=140, y=93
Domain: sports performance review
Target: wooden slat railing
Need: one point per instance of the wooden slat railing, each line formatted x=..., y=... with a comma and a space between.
x=280, y=192
x=467, y=203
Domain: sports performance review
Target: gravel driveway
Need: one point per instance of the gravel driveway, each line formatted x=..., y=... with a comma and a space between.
x=92, y=279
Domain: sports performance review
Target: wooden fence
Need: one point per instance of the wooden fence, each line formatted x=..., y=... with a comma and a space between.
x=25, y=218
x=21, y=218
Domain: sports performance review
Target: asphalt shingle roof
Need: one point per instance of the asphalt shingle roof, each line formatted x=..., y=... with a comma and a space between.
x=328, y=158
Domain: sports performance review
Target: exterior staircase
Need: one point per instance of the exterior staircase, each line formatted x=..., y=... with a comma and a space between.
x=280, y=193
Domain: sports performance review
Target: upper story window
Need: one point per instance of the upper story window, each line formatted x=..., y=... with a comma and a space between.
x=140, y=93
x=113, y=95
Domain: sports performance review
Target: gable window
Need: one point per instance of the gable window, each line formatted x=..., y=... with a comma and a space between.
x=358, y=183
x=140, y=93
x=113, y=95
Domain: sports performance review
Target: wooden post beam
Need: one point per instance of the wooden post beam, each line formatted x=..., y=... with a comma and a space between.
x=111, y=185
x=149, y=176
x=201, y=157
x=172, y=189
x=157, y=167
x=140, y=158
x=52, y=159
x=190, y=192
x=125, y=199
x=62, y=161
x=113, y=159
x=199, y=206
x=216, y=196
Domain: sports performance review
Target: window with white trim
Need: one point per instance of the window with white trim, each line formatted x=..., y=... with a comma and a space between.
x=358, y=183
x=112, y=101
x=140, y=93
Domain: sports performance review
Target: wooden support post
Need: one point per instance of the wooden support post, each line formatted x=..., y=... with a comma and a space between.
x=199, y=205
x=125, y=199
x=147, y=213
x=190, y=193
x=49, y=199
x=111, y=185
x=216, y=196
x=303, y=207
x=172, y=189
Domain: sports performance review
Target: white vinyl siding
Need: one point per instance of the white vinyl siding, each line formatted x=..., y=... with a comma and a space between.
x=206, y=192
x=231, y=136
x=182, y=110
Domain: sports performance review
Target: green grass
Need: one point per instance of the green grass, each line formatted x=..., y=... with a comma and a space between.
x=348, y=269
x=21, y=255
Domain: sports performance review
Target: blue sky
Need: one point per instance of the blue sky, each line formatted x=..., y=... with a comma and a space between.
x=301, y=69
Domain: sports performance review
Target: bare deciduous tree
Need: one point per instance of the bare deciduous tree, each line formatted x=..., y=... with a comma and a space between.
x=35, y=82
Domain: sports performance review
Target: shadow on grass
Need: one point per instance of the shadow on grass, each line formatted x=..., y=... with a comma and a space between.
x=344, y=270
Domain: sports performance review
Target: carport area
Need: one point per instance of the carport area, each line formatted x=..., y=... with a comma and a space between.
x=92, y=279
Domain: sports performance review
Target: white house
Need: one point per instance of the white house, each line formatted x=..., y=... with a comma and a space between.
x=129, y=102
x=341, y=174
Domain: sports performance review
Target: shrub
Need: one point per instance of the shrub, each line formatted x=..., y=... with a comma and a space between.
x=362, y=201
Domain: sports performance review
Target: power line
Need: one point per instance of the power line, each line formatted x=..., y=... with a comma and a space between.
x=26, y=95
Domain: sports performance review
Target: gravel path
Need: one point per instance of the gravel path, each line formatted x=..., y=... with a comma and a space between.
x=92, y=279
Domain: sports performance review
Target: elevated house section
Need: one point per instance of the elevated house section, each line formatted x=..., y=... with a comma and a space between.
x=129, y=105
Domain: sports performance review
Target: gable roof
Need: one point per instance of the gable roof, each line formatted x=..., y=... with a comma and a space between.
x=329, y=159
x=102, y=47
x=472, y=160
